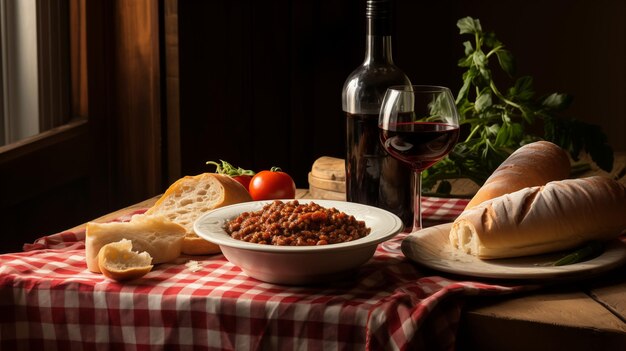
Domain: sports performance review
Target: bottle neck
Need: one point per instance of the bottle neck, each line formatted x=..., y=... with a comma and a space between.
x=378, y=49
x=378, y=29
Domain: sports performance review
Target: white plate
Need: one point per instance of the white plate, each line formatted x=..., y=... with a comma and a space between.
x=298, y=264
x=431, y=247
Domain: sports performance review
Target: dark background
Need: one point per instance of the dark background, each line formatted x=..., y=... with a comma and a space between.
x=260, y=82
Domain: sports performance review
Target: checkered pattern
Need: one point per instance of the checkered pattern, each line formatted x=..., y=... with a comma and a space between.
x=50, y=301
x=441, y=209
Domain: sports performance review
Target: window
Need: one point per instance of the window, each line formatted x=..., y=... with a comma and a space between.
x=34, y=70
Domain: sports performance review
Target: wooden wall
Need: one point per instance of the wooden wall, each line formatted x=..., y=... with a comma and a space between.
x=260, y=83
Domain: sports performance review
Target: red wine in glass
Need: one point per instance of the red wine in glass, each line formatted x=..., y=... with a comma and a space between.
x=419, y=144
x=418, y=126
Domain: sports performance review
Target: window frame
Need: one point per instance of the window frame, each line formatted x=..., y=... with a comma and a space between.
x=110, y=153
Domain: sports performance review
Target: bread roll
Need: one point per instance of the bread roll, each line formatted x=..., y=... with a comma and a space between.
x=558, y=216
x=117, y=261
x=533, y=164
x=190, y=197
x=161, y=238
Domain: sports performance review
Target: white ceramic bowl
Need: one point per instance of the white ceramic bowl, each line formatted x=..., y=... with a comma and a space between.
x=296, y=265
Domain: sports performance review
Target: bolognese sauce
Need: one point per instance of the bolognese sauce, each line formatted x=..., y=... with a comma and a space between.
x=295, y=224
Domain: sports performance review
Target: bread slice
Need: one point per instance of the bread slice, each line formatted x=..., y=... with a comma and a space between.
x=533, y=164
x=558, y=216
x=157, y=235
x=190, y=197
x=117, y=261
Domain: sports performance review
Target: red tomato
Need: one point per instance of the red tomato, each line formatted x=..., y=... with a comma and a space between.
x=272, y=184
x=243, y=180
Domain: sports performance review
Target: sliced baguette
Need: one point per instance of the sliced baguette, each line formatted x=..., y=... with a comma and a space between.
x=533, y=164
x=558, y=216
x=190, y=197
x=161, y=238
x=117, y=261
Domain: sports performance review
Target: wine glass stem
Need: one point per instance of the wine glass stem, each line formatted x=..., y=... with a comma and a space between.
x=417, y=200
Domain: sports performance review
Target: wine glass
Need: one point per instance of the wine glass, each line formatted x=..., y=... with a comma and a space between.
x=418, y=125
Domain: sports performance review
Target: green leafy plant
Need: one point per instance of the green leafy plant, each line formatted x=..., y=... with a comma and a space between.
x=496, y=121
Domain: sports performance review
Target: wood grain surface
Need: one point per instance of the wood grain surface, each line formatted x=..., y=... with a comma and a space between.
x=327, y=184
x=329, y=168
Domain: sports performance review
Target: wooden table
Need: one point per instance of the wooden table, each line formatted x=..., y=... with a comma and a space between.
x=585, y=316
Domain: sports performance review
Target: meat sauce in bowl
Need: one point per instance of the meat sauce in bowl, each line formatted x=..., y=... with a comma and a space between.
x=295, y=224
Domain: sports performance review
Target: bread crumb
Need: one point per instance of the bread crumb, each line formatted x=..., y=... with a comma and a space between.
x=193, y=266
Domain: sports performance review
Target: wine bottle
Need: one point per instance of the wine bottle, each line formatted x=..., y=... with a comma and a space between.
x=373, y=177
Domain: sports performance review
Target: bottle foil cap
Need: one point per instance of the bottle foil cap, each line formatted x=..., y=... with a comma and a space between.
x=379, y=16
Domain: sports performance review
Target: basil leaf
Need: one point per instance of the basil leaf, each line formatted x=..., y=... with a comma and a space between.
x=556, y=101
x=479, y=59
x=506, y=61
x=503, y=135
x=465, y=62
x=490, y=40
x=469, y=49
x=483, y=101
x=523, y=89
x=589, y=251
x=493, y=129
x=468, y=25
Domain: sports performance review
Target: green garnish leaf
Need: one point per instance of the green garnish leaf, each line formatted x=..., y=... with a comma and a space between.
x=523, y=89
x=482, y=102
x=468, y=25
x=557, y=101
x=591, y=250
x=226, y=168
x=506, y=62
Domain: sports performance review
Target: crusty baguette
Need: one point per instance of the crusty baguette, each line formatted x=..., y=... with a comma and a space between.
x=190, y=197
x=161, y=238
x=533, y=164
x=558, y=216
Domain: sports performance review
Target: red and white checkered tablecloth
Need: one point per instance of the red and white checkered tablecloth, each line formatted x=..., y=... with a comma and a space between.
x=50, y=301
